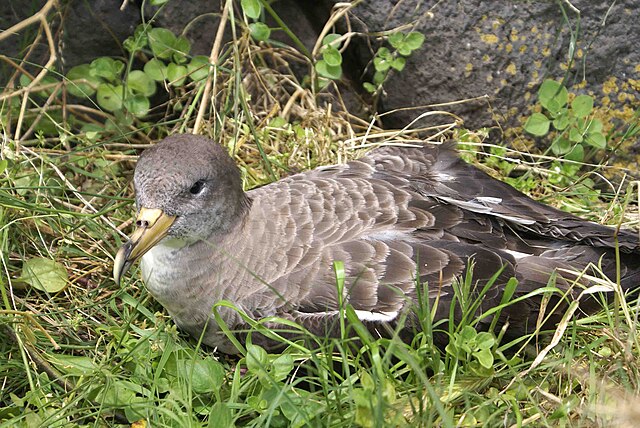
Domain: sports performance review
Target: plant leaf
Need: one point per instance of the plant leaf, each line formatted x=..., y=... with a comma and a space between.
x=156, y=69
x=82, y=89
x=260, y=31
x=251, y=8
x=582, y=105
x=44, y=274
x=138, y=82
x=537, y=124
x=332, y=56
x=325, y=70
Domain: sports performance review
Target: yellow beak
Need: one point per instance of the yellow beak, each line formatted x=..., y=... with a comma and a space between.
x=153, y=225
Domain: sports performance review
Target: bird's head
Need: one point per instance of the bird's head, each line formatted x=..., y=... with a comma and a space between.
x=187, y=188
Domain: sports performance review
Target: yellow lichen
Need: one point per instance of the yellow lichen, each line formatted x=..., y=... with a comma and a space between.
x=489, y=78
x=508, y=47
x=534, y=29
x=490, y=39
x=485, y=58
x=610, y=86
x=579, y=53
x=514, y=35
x=468, y=68
x=546, y=51
x=511, y=69
x=522, y=49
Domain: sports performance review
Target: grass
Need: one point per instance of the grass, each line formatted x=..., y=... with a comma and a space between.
x=95, y=354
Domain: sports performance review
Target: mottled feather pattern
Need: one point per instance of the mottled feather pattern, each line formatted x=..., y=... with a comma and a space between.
x=395, y=214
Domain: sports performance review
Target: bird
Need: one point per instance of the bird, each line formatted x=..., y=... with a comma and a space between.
x=402, y=221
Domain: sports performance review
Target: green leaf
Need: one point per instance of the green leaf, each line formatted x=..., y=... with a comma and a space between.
x=138, y=41
x=596, y=139
x=561, y=146
x=369, y=87
x=414, y=40
x=75, y=365
x=576, y=154
x=138, y=105
x=537, y=124
x=181, y=48
x=251, y=8
x=156, y=70
x=467, y=334
x=162, y=42
x=176, y=74
x=44, y=274
x=381, y=63
x=575, y=135
x=158, y=2
x=82, y=89
x=208, y=375
x=325, y=70
x=109, y=96
x=198, y=68
x=260, y=31
x=485, y=358
x=330, y=38
x=396, y=39
x=138, y=82
x=220, y=415
x=485, y=340
x=552, y=90
x=582, y=105
x=379, y=77
x=107, y=68
x=3, y=165
x=332, y=56
x=282, y=366
x=398, y=63
x=594, y=126
x=562, y=120
x=256, y=359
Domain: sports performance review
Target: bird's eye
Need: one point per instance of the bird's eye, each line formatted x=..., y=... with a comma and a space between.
x=197, y=187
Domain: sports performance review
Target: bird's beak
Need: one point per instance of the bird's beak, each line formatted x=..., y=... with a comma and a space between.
x=153, y=225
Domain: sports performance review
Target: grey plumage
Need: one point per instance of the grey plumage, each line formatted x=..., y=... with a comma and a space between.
x=396, y=213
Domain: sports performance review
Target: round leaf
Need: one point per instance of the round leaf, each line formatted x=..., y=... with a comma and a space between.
x=582, y=105
x=176, y=74
x=576, y=154
x=332, y=56
x=137, y=105
x=325, y=70
x=260, y=31
x=396, y=39
x=398, y=63
x=329, y=38
x=575, y=135
x=251, y=8
x=44, y=274
x=156, y=70
x=208, y=375
x=414, y=40
x=161, y=42
x=561, y=146
x=107, y=68
x=76, y=86
x=139, y=82
x=109, y=96
x=552, y=90
x=597, y=140
x=537, y=124
x=181, y=49
x=198, y=68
